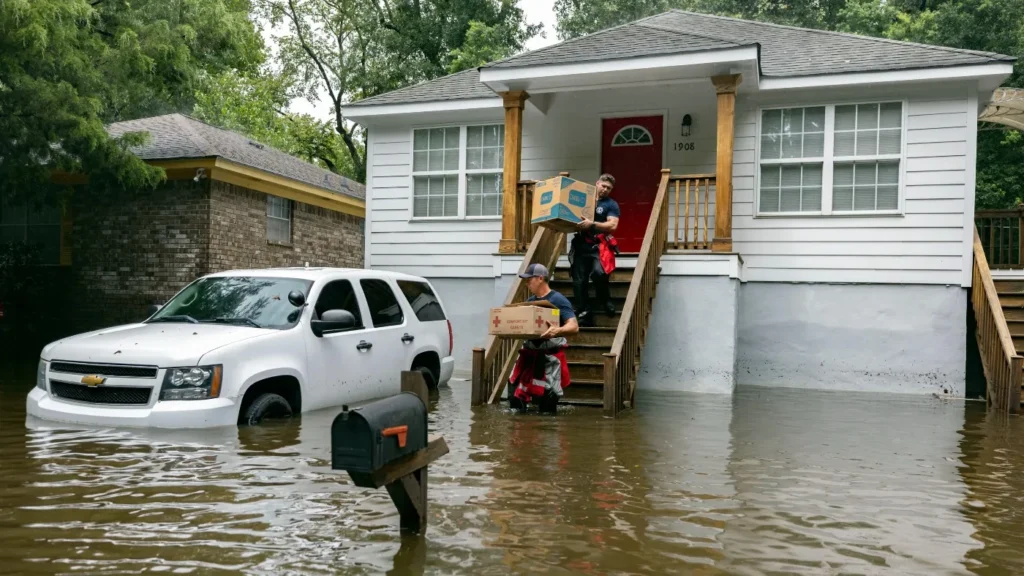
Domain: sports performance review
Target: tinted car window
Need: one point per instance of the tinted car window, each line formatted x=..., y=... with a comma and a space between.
x=248, y=300
x=384, y=308
x=338, y=295
x=422, y=300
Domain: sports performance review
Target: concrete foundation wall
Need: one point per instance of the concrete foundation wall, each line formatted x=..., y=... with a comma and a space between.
x=468, y=302
x=879, y=338
x=691, y=345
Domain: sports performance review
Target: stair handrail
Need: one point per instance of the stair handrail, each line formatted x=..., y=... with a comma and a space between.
x=493, y=363
x=999, y=358
x=619, y=381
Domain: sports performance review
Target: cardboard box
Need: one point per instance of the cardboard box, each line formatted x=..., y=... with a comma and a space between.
x=525, y=320
x=560, y=203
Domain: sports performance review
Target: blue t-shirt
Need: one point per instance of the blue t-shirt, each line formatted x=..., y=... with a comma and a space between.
x=606, y=207
x=565, y=311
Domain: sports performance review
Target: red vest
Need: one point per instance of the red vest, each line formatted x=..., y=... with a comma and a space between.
x=525, y=368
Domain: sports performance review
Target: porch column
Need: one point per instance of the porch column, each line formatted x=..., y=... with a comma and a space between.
x=514, y=103
x=725, y=87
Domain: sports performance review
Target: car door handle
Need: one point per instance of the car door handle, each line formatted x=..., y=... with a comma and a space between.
x=407, y=338
x=363, y=345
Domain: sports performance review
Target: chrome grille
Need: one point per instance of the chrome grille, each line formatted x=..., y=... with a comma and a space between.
x=101, y=394
x=108, y=370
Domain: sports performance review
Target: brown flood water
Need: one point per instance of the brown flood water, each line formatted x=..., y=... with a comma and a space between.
x=765, y=482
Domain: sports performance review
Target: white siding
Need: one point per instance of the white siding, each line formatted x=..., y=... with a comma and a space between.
x=435, y=249
x=922, y=246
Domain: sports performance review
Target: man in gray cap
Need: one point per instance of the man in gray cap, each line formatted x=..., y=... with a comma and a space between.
x=536, y=276
x=542, y=369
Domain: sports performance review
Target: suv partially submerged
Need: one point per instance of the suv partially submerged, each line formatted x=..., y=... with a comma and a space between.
x=240, y=346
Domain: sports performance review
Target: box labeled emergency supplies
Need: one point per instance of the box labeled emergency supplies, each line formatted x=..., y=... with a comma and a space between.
x=523, y=320
x=560, y=203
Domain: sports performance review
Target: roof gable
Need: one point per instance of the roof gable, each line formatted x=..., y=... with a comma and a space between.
x=176, y=136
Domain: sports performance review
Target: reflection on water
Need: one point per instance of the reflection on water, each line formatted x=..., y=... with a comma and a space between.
x=767, y=481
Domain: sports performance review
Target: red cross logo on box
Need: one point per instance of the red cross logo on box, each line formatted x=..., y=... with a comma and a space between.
x=497, y=322
x=540, y=322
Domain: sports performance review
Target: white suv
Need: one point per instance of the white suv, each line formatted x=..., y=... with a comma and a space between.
x=240, y=346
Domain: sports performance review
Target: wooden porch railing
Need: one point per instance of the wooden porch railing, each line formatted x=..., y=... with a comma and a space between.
x=1001, y=238
x=700, y=185
x=999, y=359
x=493, y=363
x=524, y=208
x=620, y=364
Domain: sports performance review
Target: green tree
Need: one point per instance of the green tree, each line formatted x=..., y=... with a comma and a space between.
x=575, y=18
x=483, y=44
x=257, y=104
x=354, y=49
x=69, y=66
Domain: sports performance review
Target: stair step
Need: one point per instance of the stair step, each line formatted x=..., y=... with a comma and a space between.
x=619, y=275
x=617, y=290
x=1011, y=300
x=601, y=336
x=587, y=370
x=590, y=352
x=1013, y=313
x=585, y=393
x=1016, y=327
x=1009, y=286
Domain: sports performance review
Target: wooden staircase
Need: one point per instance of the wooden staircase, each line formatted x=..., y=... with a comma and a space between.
x=999, y=316
x=603, y=360
x=587, y=349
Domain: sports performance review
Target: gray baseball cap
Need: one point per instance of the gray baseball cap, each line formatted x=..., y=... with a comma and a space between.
x=535, y=270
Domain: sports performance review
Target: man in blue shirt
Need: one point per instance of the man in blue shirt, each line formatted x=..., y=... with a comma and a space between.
x=584, y=255
x=542, y=369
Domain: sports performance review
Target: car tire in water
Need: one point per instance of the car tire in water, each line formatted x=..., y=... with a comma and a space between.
x=265, y=406
x=428, y=376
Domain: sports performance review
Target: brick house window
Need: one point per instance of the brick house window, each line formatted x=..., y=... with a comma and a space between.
x=279, y=220
x=34, y=222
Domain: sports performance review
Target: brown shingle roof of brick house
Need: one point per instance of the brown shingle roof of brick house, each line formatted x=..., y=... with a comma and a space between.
x=176, y=136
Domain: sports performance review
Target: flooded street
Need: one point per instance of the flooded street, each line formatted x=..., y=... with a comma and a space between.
x=765, y=482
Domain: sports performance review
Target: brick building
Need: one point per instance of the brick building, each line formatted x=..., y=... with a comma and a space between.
x=228, y=203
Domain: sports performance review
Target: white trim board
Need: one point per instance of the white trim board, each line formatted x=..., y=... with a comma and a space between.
x=356, y=113
x=995, y=72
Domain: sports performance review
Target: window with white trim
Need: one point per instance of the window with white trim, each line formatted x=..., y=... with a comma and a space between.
x=830, y=159
x=435, y=166
x=457, y=171
x=279, y=220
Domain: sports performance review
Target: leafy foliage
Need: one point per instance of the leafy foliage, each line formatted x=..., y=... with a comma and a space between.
x=69, y=66
x=354, y=49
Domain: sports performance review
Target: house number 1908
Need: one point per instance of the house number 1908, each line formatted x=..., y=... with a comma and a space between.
x=677, y=146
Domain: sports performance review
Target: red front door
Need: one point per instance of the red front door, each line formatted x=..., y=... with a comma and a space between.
x=631, y=151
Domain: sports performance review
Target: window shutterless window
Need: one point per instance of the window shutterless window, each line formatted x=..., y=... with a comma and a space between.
x=830, y=159
x=457, y=171
x=422, y=300
x=384, y=307
x=279, y=220
x=34, y=222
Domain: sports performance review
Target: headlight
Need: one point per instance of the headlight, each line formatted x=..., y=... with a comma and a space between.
x=192, y=383
x=41, y=376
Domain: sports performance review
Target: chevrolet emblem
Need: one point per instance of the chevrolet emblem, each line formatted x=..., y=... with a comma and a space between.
x=92, y=381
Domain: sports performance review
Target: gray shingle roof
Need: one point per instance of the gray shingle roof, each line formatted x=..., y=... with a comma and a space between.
x=176, y=136
x=785, y=52
x=459, y=86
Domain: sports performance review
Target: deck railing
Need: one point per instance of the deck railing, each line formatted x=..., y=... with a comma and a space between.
x=691, y=195
x=1001, y=238
x=492, y=364
x=524, y=208
x=999, y=357
x=620, y=363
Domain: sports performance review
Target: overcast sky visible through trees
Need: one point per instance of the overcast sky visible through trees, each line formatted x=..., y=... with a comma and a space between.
x=537, y=11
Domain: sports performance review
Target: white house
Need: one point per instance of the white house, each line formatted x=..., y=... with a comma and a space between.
x=838, y=258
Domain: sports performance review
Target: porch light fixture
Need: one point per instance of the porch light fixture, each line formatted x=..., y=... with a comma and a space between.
x=687, y=124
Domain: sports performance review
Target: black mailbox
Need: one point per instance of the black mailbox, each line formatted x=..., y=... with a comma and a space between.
x=364, y=440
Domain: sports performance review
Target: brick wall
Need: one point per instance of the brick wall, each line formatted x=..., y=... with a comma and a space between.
x=136, y=248
x=238, y=234
x=131, y=250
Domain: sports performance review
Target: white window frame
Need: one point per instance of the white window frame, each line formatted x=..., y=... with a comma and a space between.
x=828, y=162
x=635, y=126
x=290, y=220
x=463, y=162
x=460, y=174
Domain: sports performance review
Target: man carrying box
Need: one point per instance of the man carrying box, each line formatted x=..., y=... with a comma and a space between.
x=542, y=371
x=592, y=255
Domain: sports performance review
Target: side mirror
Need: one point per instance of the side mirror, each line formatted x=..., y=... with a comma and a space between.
x=333, y=321
x=152, y=309
x=296, y=298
